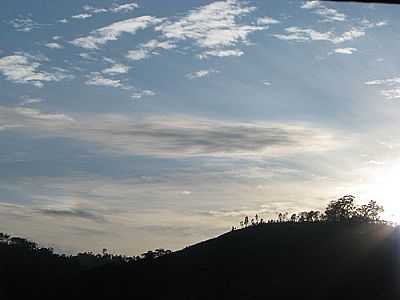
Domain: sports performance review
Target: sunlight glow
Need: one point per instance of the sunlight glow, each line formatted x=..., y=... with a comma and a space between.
x=383, y=186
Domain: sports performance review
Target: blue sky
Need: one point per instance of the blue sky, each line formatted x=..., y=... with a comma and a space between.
x=137, y=125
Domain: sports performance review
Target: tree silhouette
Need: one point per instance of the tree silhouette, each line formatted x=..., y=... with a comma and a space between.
x=313, y=216
x=369, y=212
x=293, y=218
x=341, y=210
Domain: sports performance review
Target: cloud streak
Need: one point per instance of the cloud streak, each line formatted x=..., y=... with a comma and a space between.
x=138, y=94
x=54, y=46
x=345, y=50
x=24, y=24
x=391, y=87
x=26, y=69
x=81, y=16
x=201, y=73
x=150, y=48
x=212, y=27
x=97, y=79
x=177, y=136
x=112, y=32
x=71, y=212
x=116, y=69
x=124, y=8
x=327, y=14
x=38, y=115
x=221, y=53
x=267, y=21
x=115, y=8
x=299, y=34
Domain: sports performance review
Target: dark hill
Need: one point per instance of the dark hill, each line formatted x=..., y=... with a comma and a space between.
x=266, y=261
x=288, y=261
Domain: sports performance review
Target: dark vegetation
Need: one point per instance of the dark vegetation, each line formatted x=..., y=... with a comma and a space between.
x=346, y=252
x=343, y=210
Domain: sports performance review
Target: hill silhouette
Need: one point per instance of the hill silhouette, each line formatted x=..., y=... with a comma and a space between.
x=346, y=259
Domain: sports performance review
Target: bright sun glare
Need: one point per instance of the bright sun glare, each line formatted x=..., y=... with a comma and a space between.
x=383, y=186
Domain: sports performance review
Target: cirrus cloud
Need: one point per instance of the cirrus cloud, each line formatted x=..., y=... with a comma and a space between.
x=54, y=46
x=24, y=68
x=97, y=79
x=113, y=31
x=116, y=69
x=201, y=73
x=299, y=34
x=214, y=26
x=391, y=87
x=149, y=48
x=24, y=24
x=345, y=50
x=176, y=136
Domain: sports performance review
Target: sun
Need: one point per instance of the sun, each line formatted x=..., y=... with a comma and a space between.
x=383, y=185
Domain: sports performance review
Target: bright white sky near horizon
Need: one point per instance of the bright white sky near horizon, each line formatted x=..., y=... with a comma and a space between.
x=138, y=125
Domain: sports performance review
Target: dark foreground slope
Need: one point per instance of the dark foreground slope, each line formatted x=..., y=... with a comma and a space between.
x=283, y=261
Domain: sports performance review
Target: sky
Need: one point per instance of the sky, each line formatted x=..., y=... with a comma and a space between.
x=157, y=124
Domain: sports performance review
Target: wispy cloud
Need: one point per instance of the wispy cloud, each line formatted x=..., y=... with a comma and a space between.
x=116, y=69
x=81, y=16
x=391, y=94
x=177, y=136
x=267, y=21
x=89, y=11
x=6, y=126
x=112, y=32
x=23, y=68
x=201, y=73
x=345, y=50
x=97, y=79
x=30, y=100
x=138, y=94
x=149, y=48
x=221, y=53
x=87, y=56
x=300, y=34
x=391, y=87
x=115, y=8
x=307, y=34
x=186, y=193
x=375, y=162
x=330, y=15
x=369, y=24
x=71, y=212
x=311, y=4
x=94, y=10
x=54, y=46
x=24, y=24
x=124, y=8
x=39, y=115
x=138, y=54
x=387, y=82
x=327, y=14
x=214, y=26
